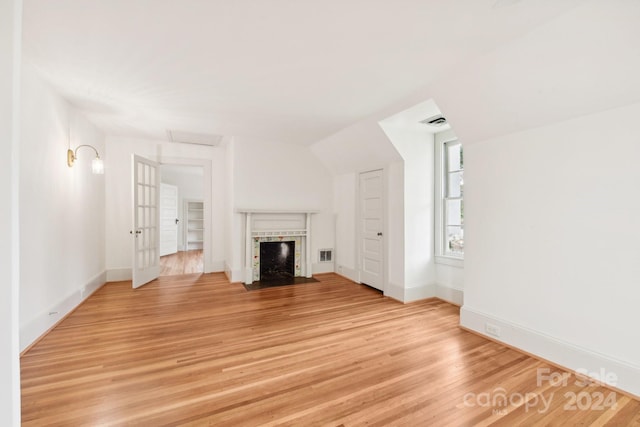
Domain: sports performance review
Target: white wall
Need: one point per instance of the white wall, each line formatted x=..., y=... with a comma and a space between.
x=271, y=175
x=415, y=144
x=344, y=208
x=395, y=229
x=10, y=37
x=118, y=197
x=360, y=148
x=552, y=241
x=190, y=187
x=233, y=221
x=61, y=209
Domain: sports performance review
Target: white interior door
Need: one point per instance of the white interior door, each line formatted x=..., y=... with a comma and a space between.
x=146, y=218
x=370, y=229
x=168, y=219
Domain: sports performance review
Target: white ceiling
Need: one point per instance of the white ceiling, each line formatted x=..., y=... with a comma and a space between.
x=283, y=70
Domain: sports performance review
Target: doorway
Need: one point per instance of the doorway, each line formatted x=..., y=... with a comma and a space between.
x=182, y=219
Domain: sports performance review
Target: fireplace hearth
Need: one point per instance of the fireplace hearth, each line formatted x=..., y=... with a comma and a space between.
x=277, y=262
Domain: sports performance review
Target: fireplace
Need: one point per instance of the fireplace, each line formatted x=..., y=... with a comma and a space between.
x=277, y=261
x=290, y=227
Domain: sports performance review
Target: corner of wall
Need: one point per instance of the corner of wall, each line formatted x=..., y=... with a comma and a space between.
x=233, y=275
x=452, y=295
x=416, y=293
x=395, y=291
x=349, y=273
x=322, y=267
x=37, y=327
x=119, y=274
x=409, y=294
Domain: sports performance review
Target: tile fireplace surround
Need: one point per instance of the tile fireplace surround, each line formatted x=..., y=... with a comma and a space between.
x=273, y=225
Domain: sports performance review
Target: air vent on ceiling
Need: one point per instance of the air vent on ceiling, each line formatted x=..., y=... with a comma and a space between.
x=210, y=140
x=438, y=120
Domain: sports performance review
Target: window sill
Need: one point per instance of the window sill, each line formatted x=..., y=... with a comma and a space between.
x=450, y=260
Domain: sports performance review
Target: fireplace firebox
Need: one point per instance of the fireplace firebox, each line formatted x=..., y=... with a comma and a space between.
x=277, y=261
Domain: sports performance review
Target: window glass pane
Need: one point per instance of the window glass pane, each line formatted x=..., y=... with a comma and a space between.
x=454, y=157
x=141, y=195
x=455, y=184
x=451, y=236
x=454, y=212
x=455, y=239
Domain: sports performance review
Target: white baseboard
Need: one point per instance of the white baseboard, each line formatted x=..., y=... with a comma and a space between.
x=217, y=266
x=119, y=274
x=452, y=295
x=33, y=330
x=395, y=291
x=349, y=273
x=562, y=353
x=233, y=275
x=406, y=295
x=416, y=293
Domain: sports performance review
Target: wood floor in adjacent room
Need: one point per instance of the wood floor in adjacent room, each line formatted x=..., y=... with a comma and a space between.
x=182, y=262
x=197, y=350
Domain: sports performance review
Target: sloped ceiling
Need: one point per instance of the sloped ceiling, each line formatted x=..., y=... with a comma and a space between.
x=283, y=70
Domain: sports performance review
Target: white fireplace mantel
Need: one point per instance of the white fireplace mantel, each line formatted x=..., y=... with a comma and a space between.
x=270, y=222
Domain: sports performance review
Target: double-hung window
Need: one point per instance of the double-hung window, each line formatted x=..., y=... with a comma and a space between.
x=449, y=200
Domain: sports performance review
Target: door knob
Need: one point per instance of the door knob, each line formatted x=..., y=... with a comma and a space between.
x=379, y=234
x=177, y=220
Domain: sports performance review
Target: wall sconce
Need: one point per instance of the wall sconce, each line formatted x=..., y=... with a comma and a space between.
x=97, y=165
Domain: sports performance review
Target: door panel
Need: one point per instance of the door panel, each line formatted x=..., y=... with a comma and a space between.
x=168, y=219
x=371, y=227
x=146, y=219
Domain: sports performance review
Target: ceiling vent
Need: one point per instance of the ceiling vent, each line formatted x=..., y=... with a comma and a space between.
x=210, y=140
x=438, y=120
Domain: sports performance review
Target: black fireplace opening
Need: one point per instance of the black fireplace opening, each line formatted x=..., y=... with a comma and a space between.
x=277, y=262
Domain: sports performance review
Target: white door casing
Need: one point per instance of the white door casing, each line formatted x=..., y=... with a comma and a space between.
x=371, y=226
x=168, y=219
x=146, y=219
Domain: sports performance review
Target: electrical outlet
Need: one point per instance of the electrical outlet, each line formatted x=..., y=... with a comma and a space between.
x=492, y=329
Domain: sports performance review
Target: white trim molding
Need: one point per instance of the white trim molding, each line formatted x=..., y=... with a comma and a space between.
x=559, y=352
x=452, y=295
x=42, y=323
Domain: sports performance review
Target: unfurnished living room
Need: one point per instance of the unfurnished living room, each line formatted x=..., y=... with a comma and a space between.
x=340, y=213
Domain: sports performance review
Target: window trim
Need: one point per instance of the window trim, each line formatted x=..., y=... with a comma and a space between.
x=441, y=255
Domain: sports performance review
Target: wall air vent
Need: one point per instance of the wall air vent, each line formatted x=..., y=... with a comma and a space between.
x=438, y=120
x=325, y=255
x=210, y=140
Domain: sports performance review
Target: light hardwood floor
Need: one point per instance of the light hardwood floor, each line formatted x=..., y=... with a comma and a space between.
x=182, y=262
x=197, y=350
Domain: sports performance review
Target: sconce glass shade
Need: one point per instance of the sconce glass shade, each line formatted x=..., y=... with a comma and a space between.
x=97, y=166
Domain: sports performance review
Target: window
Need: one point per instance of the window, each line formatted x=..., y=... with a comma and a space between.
x=450, y=202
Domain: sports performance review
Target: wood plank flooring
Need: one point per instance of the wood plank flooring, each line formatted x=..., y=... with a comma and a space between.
x=182, y=262
x=195, y=350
